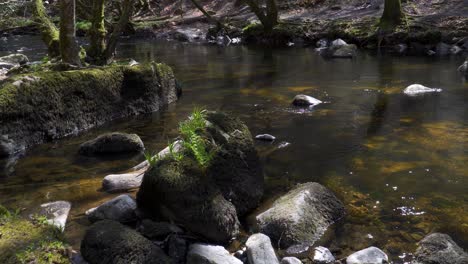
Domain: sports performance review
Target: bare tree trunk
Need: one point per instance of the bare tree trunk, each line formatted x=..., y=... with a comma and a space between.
x=49, y=32
x=69, y=50
x=97, y=33
x=268, y=20
x=392, y=14
x=210, y=18
x=127, y=10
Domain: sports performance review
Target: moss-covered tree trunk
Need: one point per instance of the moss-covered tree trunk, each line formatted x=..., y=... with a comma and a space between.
x=269, y=19
x=97, y=33
x=49, y=32
x=392, y=14
x=127, y=11
x=69, y=50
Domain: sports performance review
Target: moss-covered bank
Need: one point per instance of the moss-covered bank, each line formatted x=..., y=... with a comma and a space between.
x=43, y=106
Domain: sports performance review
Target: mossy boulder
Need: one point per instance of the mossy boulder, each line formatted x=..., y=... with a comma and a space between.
x=112, y=143
x=439, y=248
x=207, y=200
x=43, y=106
x=111, y=242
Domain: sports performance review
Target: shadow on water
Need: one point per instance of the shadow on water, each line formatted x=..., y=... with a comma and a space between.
x=398, y=163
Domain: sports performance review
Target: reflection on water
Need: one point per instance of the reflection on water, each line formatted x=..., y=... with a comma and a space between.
x=399, y=163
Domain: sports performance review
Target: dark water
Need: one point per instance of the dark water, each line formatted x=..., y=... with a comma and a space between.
x=399, y=163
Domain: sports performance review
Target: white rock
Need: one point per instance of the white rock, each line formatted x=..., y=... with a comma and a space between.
x=338, y=43
x=121, y=209
x=370, y=255
x=290, y=260
x=323, y=255
x=416, y=89
x=265, y=137
x=260, y=250
x=133, y=63
x=305, y=100
x=210, y=254
x=56, y=213
x=464, y=67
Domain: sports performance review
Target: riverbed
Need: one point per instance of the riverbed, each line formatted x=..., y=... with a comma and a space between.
x=398, y=162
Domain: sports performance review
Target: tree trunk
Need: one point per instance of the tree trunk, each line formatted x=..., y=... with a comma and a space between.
x=272, y=13
x=392, y=14
x=268, y=20
x=210, y=18
x=127, y=10
x=69, y=50
x=49, y=32
x=97, y=33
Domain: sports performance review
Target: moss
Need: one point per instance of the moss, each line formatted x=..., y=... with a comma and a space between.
x=25, y=241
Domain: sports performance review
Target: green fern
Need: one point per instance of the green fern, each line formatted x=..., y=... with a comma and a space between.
x=151, y=158
x=173, y=153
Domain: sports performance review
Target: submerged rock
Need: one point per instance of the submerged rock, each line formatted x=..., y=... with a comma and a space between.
x=210, y=254
x=121, y=209
x=441, y=249
x=290, y=260
x=54, y=104
x=56, y=213
x=417, y=89
x=260, y=250
x=108, y=241
x=207, y=200
x=265, y=137
x=301, y=216
x=157, y=230
x=322, y=255
x=305, y=100
x=346, y=51
x=370, y=255
x=112, y=143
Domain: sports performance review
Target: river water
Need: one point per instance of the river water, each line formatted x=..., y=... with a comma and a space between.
x=399, y=163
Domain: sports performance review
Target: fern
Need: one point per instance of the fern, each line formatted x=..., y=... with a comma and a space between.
x=152, y=159
x=173, y=153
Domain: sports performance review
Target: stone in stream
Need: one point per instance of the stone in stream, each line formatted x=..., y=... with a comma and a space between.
x=464, y=68
x=112, y=143
x=210, y=254
x=418, y=89
x=441, y=249
x=322, y=255
x=157, y=230
x=305, y=100
x=338, y=43
x=265, y=137
x=260, y=250
x=207, y=201
x=301, y=216
x=121, y=209
x=7, y=149
x=290, y=260
x=56, y=213
x=108, y=241
x=13, y=60
x=443, y=49
x=370, y=255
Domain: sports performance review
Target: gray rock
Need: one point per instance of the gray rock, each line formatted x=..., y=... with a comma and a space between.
x=111, y=143
x=265, y=137
x=401, y=48
x=301, y=216
x=157, y=230
x=346, y=51
x=210, y=254
x=338, y=43
x=418, y=89
x=305, y=100
x=7, y=147
x=443, y=49
x=464, y=68
x=13, y=60
x=322, y=255
x=298, y=250
x=370, y=255
x=322, y=43
x=260, y=250
x=455, y=50
x=290, y=260
x=122, y=182
x=121, y=209
x=108, y=241
x=56, y=213
x=177, y=249
x=441, y=249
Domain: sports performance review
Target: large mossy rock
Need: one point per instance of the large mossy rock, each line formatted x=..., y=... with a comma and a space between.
x=43, y=106
x=112, y=143
x=301, y=217
x=208, y=200
x=439, y=248
x=109, y=242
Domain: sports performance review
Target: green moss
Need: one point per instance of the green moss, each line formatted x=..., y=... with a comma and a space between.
x=83, y=25
x=24, y=241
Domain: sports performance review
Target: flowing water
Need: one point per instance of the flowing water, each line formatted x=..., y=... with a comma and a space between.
x=399, y=163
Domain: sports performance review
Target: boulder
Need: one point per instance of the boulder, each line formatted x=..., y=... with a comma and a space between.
x=13, y=60
x=441, y=249
x=7, y=149
x=207, y=200
x=45, y=106
x=418, y=89
x=260, y=250
x=301, y=216
x=443, y=49
x=305, y=100
x=464, y=68
x=121, y=209
x=177, y=249
x=290, y=260
x=265, y=137
x=109, y=242
x=455, y=50
x=157, y=230
x=210, y=254
x=112, y=143
x=370, y=255
x=56, y=213
x=338, y=43
x=322, y=255
x=401, y=48
x=346, y=51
